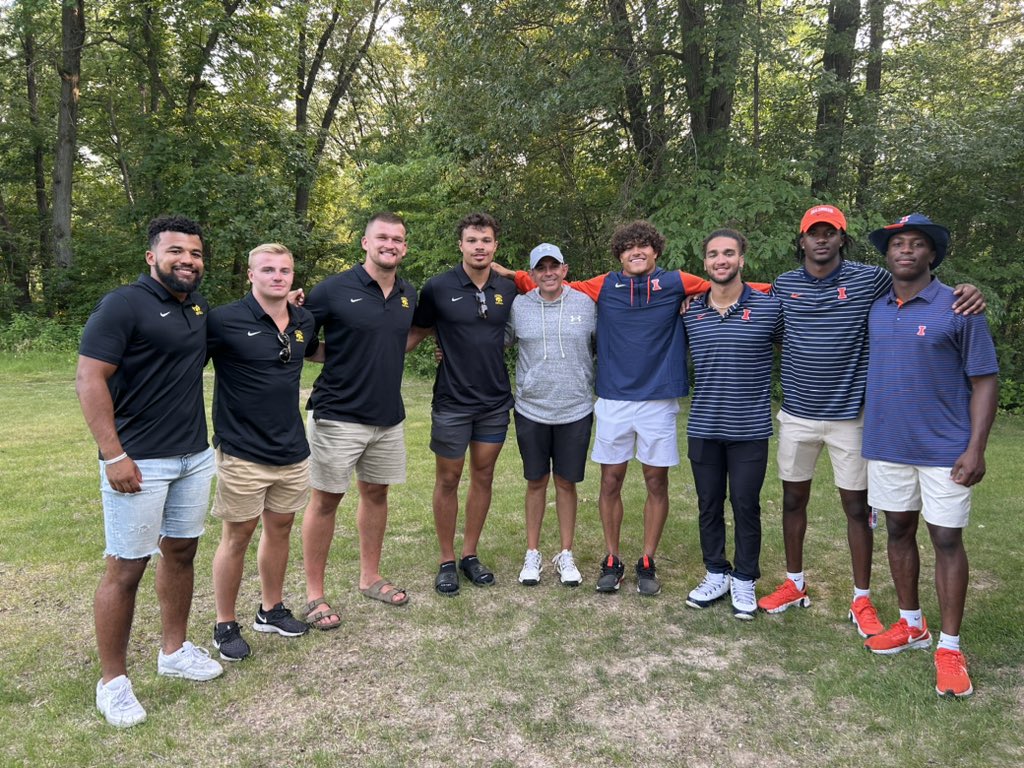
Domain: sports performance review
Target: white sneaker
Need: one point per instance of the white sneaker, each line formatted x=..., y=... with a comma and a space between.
x=565, y=567
x=116, y=701
x=713, y=587
x=533, y=564
x=189, y=662
x=744, y=603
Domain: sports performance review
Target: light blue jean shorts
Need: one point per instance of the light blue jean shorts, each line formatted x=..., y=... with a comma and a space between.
x=173, y=502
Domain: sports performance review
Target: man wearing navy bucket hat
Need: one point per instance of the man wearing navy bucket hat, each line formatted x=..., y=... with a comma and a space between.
x=931, y=399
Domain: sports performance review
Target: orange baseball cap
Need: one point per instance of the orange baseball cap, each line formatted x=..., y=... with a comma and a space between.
x=823, y=213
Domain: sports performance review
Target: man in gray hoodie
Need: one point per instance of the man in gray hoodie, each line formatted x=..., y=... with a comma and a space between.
x=554, y=328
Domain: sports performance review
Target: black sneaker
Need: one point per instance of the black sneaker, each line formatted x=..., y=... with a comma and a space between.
x=227, y=638
x=646, y=581
x=611, y=574
x=279, y=619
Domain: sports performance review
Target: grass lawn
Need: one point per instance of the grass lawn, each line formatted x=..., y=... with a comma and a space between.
x=505, y=676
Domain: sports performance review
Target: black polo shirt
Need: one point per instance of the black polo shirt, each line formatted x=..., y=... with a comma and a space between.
x=365, y=334
x=159, y=347
x=472, y=377
x=256, y=413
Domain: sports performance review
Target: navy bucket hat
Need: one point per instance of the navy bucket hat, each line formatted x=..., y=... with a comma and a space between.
x=937, y=233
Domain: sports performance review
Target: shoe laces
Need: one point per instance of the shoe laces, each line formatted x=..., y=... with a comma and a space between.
x=950, y=662
x=864, y=610
x=611, y=564
x=533, y=559
x=645, y=568
x=123, y=697
x=564, y=560
x=743, y=589
x=193, y=654
x=709, y=585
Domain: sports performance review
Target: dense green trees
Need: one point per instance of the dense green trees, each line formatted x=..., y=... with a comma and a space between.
x=290, y=120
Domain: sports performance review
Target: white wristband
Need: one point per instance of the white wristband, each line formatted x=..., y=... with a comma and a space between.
x=122, y=457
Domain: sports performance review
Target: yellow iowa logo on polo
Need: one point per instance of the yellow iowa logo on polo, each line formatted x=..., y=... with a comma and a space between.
x=405, y=302
x=299, y=337
x=197, y=309
x=498, y=299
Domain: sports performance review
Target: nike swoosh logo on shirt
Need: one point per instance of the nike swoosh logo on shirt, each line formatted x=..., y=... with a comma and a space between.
x=621, y=285
x=458, y=298
x=254, y=333
x=164, y=314
x=355, y=300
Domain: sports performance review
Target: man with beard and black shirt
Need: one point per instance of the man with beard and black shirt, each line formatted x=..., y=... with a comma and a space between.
x=140, y=385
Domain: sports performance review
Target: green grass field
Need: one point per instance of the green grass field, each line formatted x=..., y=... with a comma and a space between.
x=506, y=676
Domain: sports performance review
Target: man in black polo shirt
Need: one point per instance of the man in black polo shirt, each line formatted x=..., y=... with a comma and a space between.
x=467, y=308
x=262, y=454
x=140, y=385
x=356, y=412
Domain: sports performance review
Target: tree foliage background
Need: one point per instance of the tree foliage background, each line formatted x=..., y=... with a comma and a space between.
x=293, y=120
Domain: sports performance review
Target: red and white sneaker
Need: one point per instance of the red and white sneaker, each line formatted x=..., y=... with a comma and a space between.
x=865, y=617
x=900, y=637
x=951, y=678
x=782, y=598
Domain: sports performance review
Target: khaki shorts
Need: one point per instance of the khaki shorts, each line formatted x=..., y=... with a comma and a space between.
x=377, y=454
x=245, y=489
x=907, y=488
x=801, y=441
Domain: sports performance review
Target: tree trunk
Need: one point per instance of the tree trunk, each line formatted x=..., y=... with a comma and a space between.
x=38, y=150
x=18, y=268
x=307, y=171
x=72, y=40
x=710, y=57
x=843, y=23
x=648, y=143
x=872, y=93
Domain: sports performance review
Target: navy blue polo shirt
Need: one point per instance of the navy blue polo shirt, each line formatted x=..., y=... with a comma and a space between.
x=918, y=388
x=365, y=334
x=159, y=347
x=825, y=348
x=732, y=362
x=472, y=377
x=256, y=394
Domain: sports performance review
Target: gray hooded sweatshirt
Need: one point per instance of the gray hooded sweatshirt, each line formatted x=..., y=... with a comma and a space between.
x=555, y=366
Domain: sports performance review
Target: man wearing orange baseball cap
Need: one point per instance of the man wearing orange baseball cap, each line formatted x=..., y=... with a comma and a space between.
x=826, y=302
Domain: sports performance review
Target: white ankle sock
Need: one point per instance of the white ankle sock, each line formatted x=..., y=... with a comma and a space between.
x=857, y=592
x=949, y=642
x=796, y=578
x=914, y=618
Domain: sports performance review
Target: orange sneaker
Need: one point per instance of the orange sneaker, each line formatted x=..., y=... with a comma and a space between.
x=782, y=598
x=900, y=637
x=865, y=618
x=951, y=677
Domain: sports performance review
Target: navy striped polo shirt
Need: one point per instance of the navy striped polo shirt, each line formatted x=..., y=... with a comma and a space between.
x=918, y=388
x=732, y=361
x=825, y=348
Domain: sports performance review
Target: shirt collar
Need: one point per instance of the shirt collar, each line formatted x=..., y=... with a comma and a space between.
x=831, y=277
x=463, y=276
x=927, y=294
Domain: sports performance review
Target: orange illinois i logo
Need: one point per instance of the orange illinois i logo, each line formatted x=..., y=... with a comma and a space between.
x=842, y=294
x=920, y=330
x=746, y=314
x=656, y=284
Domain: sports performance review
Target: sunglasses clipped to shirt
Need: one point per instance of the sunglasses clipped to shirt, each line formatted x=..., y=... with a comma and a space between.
x=285, y=355
x=481, y=305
